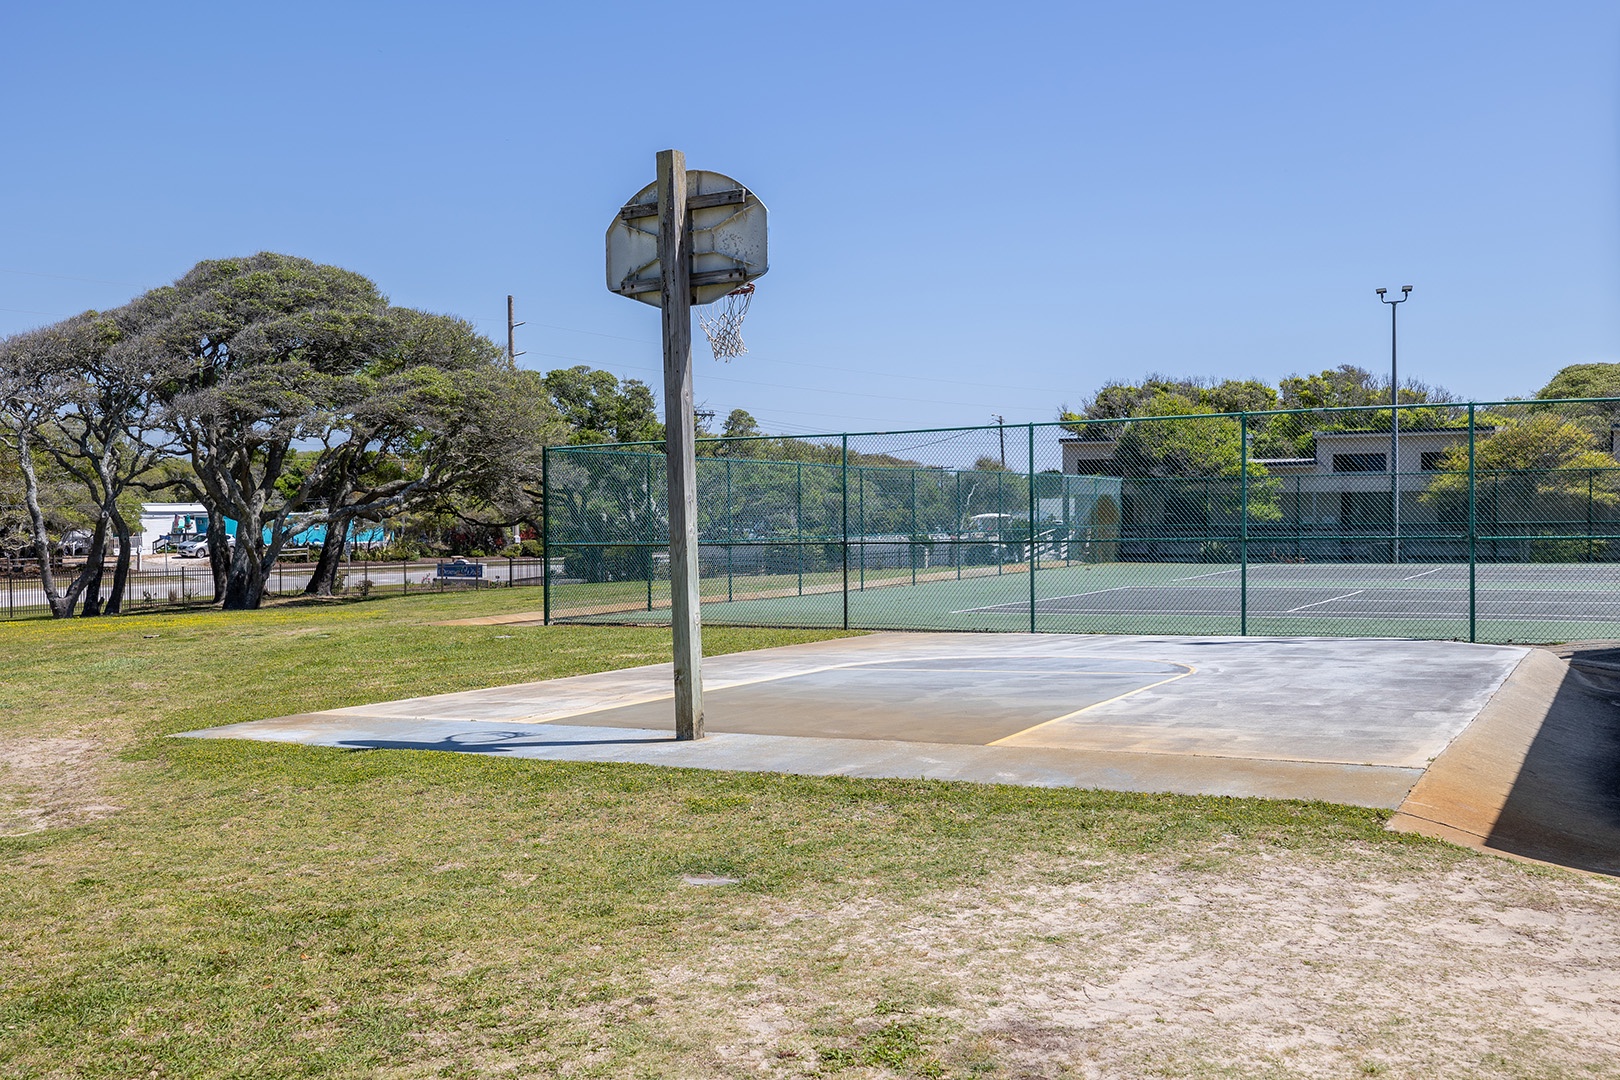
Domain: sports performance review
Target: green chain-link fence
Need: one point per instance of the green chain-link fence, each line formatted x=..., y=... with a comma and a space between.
x=1497, y=522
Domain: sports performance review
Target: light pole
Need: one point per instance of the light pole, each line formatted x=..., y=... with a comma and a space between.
x=1394, y=422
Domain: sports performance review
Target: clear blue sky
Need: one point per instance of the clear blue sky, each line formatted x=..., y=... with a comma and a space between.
x=974, y=208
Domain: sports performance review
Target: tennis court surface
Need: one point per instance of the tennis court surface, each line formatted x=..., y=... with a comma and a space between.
x=1503, y=602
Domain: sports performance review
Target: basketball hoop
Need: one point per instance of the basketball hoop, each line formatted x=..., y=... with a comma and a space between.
x=722, y=322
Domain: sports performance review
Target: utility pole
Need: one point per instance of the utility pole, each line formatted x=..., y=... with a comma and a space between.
x=1001, y=422
x=511, y=342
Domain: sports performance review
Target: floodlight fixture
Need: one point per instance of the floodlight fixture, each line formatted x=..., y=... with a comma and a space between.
x=1380, y=292
x=1406, y=288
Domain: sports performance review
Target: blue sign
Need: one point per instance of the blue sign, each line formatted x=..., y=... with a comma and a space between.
x=461, y=569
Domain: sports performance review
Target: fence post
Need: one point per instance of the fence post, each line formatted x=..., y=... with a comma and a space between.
x=860, y=479
x=731, y=536
x=404, y=577
x=798, y=519
x=1031, y=479
x=914, y=527
x=511, y=570
x=1001, y=522
x=651, y=515
x=1590, y=474
x=1243, y=530
x=545, y=535
x=1473, y=533
x=843, y=485
x=956, y=512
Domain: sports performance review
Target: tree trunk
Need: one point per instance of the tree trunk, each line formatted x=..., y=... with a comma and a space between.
x=120, y=582
x=322, y=581
x=95, y=565
x=61, y=603
x=244, y=588
x=219, y=551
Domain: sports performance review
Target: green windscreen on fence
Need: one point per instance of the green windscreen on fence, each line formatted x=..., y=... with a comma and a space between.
x=1479, y=522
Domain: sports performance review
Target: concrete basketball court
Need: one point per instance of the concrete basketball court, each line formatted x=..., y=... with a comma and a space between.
x=1361, y=721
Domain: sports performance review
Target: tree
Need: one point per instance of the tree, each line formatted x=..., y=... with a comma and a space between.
x=1540, y=443
x=74, y=395
x=596, y=407
x=1531, y=473
x=1348, y=387
x=740, y=424
x=1172, y=438
x=1583, y=381
x=441, y=421
x=258, y=354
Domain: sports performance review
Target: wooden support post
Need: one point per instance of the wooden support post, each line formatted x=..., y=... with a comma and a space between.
x=675, y=267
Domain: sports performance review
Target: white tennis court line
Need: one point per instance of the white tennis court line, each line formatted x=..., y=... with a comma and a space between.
x=991, y=608
x=1329, y=600
x=1072, y=596
x=1425, y=573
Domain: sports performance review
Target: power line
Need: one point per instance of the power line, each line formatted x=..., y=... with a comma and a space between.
x=787, y=386
x=822, y=367
x=25, y=311
x=69, y=277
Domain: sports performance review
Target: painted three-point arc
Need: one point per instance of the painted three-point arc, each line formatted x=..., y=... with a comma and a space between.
x=688, y=237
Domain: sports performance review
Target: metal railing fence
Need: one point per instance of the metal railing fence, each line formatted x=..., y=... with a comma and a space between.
x=166, y=584
x=1483, y=522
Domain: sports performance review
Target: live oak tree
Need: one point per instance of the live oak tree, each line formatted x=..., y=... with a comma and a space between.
x=447, y=425
x=258, y=355
x=77, y=396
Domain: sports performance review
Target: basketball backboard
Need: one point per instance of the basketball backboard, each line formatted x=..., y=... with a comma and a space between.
x=728, y=240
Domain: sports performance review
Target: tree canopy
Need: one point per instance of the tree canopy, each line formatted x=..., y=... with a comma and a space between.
x=1583, y=381
x=1278, y=435
x=296, y=395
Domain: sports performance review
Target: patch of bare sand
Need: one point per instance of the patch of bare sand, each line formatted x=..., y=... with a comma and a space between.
x=1272, y=963
x=51, y=782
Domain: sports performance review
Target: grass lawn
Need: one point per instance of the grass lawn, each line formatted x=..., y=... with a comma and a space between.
x=207, y=908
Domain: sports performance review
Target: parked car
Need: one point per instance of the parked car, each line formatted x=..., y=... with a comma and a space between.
x=76, y=542
x=198, y=547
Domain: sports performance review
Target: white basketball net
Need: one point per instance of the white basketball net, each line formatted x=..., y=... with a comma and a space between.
x=722, y=322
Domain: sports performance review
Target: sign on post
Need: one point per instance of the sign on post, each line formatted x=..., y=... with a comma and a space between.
x=688, y=237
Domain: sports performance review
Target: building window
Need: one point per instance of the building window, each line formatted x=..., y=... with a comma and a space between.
x=1358, y=463
x=1433, y=460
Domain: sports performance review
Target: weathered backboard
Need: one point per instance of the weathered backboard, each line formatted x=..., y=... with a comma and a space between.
x=728, y=240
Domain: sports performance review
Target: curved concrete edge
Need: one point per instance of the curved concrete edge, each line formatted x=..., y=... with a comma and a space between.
x=1535, y=776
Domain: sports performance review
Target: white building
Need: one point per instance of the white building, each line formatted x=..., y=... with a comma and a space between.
x=160, y=519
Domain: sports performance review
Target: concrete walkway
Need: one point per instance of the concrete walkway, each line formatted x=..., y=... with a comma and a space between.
x=1346, y=720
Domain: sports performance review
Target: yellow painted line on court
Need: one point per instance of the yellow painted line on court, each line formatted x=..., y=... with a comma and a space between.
x=1095, y=704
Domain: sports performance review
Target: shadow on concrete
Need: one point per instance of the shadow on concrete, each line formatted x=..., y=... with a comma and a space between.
x=1537, y=774
x=1564, y=805
x=491, y=743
